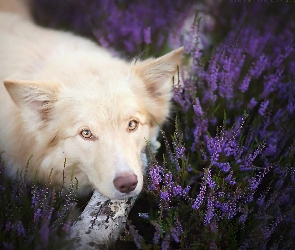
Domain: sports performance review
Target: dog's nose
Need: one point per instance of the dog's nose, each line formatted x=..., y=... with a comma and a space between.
x=125, y=183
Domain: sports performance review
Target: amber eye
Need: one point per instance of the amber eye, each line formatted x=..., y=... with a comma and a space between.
x=86, y=133
x=133, y=124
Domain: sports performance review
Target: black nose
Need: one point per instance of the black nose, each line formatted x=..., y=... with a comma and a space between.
x=125, y=183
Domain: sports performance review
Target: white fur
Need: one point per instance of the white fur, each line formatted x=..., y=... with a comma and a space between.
x=55, y=85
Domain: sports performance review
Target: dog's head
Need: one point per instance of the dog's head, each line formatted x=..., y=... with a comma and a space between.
x=98, y=120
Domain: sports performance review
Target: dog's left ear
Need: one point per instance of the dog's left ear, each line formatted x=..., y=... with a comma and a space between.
x=157, y=76
x=156, y=72
x=36, y=97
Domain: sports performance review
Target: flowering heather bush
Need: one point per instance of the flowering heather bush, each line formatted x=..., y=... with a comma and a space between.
x=34, y=217
x=227, y=180
x=132, y=27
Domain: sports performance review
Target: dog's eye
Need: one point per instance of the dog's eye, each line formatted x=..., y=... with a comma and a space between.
x=133, y=124
x=86, y=133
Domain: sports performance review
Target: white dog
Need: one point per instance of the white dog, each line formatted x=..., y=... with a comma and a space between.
x=64, y=97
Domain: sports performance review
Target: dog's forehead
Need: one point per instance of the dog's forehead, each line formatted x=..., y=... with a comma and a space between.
x=105, y=98
x=98, y=85
x=108, y=91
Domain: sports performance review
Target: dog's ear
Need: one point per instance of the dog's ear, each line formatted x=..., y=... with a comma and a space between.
x=157, y=76
x=35, y=96
x=157, y=72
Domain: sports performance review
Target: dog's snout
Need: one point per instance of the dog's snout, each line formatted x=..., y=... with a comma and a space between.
x=125, y=183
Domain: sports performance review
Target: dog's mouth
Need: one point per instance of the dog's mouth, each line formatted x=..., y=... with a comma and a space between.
x=124, y=197
x=121, y=196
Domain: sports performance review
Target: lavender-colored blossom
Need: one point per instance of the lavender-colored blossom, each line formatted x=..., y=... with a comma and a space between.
x=170, y=154
x=254, y=182
x=176, y=231
x=175, y=235
x=231, y=210
x=214, y=147
x=263, y=107
x=168, y=180
x=200, y=127
x=224, y=166
x=147, y=35
x=252, y=103
x=35, y=196
x=186, y=190
x=232, y=182
x=291, y=105
x=44, y=233
x=143, y=215
x=156, y=178
x=287, y=51
x=214, y=226
x=210, y=210
x=230, y=179
x=157, y=233
x=268, y=231
x=178, y=96
x=200, y=197
x=20, y=229
x=208, y=179
x=67, y=226
x=272, y=82
x=284, y=198
x=197, y=108
x=243, y=218
x=8, y=226
x=177, y=190
x=165, y=196
x=37, y=215
x=135, y=235
x=166, y=242
x=259, y=66
x=179, y=152
x=245, y=83
x=271, y=147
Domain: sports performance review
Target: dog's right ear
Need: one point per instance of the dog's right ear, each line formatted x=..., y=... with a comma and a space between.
x=34, y=96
